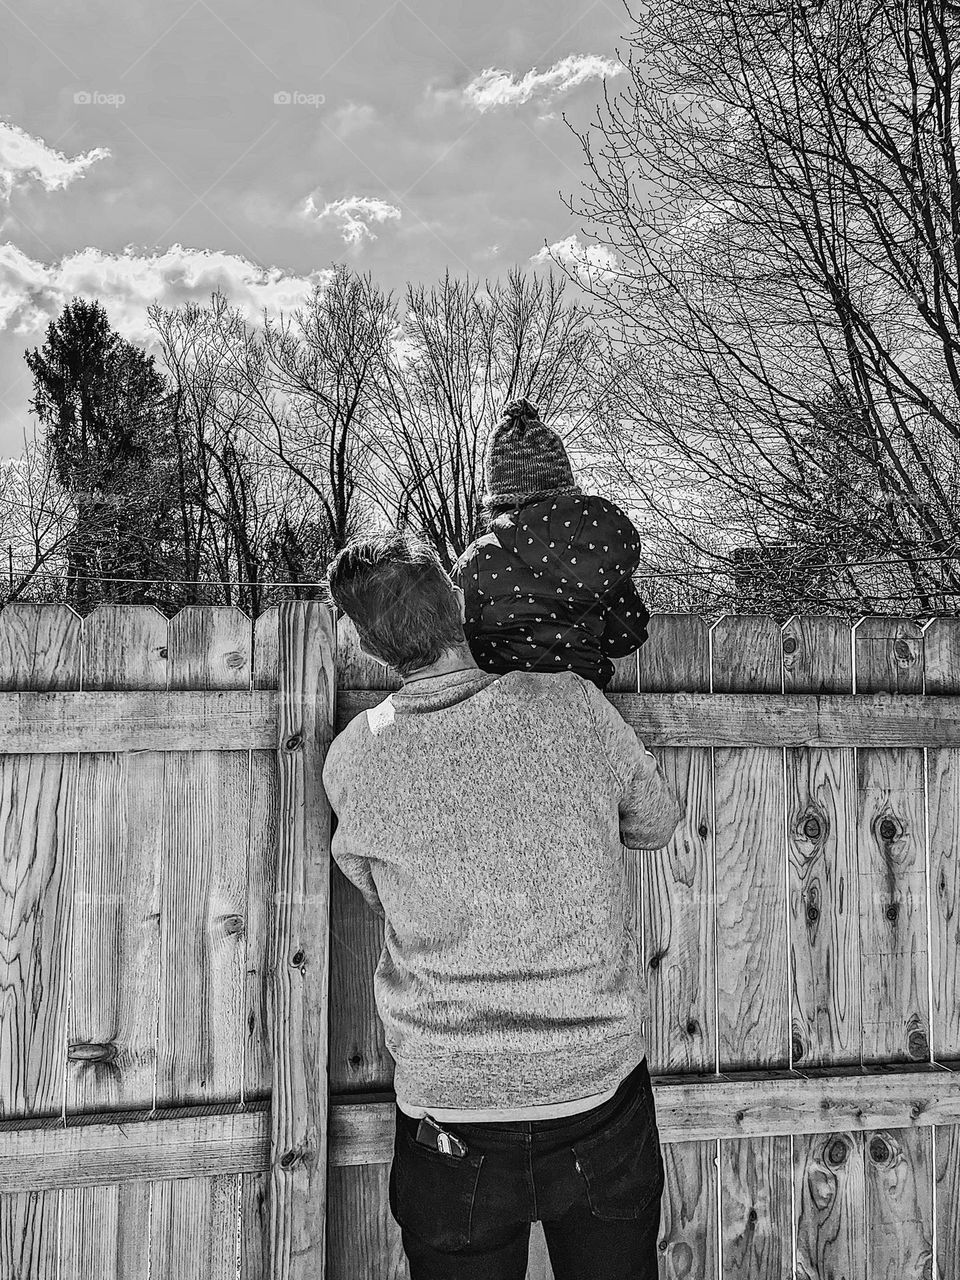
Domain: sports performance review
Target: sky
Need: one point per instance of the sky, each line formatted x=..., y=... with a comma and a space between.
x=157, y=152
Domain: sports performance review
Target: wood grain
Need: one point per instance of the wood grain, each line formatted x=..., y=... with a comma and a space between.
x=203, y=885
x=678, y=917
x=299, y=958
x=752, y=962
x=829, y=1184
x=822, y=851
x=115, y=953
x=40, y=648
x=138, y=720
x=262, y=848
x=110, y=1229
x=941, y=673
x=898, y=1209
x=824, y=915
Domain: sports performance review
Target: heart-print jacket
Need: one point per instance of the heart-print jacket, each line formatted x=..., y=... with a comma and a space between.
x=549, y=588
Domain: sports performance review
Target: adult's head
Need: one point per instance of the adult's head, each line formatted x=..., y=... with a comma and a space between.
x=394, y=589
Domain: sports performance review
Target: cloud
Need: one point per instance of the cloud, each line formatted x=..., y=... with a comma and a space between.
x=24, y=158
x=33, y=293
x=352, y=117
x=354, y=214
x=594, y=260
x=495, y=88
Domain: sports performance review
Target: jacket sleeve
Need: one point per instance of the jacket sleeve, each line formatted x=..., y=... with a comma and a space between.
x=344, y=845
x=625, y=623
x=649, y=812
x=464, y=575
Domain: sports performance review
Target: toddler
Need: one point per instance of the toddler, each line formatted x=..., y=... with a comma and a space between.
x=549, y=587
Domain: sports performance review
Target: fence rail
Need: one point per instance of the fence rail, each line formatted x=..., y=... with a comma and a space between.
x=193, y=1077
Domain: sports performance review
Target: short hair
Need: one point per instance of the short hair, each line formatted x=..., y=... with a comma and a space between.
x=395, y=590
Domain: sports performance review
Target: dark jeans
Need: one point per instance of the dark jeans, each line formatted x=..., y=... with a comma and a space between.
x=594, y=1180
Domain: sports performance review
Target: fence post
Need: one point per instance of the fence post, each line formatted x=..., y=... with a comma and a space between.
x=300, y=952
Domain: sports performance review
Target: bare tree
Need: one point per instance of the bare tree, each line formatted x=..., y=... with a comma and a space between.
x=779, y=184
x=237, y=506
x=461, y=351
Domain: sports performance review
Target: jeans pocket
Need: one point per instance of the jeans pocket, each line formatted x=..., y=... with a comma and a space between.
x=621, y=1166
x=431, y=1194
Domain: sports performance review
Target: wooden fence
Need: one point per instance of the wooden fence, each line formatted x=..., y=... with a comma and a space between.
x=193, y=1078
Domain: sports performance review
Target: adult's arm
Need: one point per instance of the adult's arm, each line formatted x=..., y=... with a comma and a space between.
x=344, y=846
x=649, y=812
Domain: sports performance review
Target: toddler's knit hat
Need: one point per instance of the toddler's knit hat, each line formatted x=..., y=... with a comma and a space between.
x=525, y=457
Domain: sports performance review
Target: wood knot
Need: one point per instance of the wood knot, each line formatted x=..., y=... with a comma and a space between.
x=797, y=1048
x=836, y=1152
x=790, y=644
x=888, y=829
x=293, y=742
x=879, y=1151
x=92, y=1051
x=917, y=1044
x=812, y=828
x=297, y=959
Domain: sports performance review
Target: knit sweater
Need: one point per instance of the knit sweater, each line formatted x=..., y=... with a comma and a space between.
x=481, y=817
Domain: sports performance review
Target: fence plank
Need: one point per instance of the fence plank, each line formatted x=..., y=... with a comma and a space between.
x=109, y=1227
x=679, y=894
x=941, y=656
x=688, y=1211
x=893, y=942
x=822, y=851
x=825, y=950
x=299, y=967
x=751, y=913
x=899, y=1204
x=203, y=887
x=828, y=1177
x=29, y=1230
x=40, y=648
x=947, y=1194
x=264, y=837
x=114, y=963
x=202, y=905
x=201, y=720
x=678, y=929
x=892, y=858
x=752, y=986
x=194, y=1228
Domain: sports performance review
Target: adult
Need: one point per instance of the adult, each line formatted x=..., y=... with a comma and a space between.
x=483, y=816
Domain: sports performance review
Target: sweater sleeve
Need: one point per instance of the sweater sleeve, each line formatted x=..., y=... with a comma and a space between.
x=649, y=812
x=344, y=845
x=625, y=623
